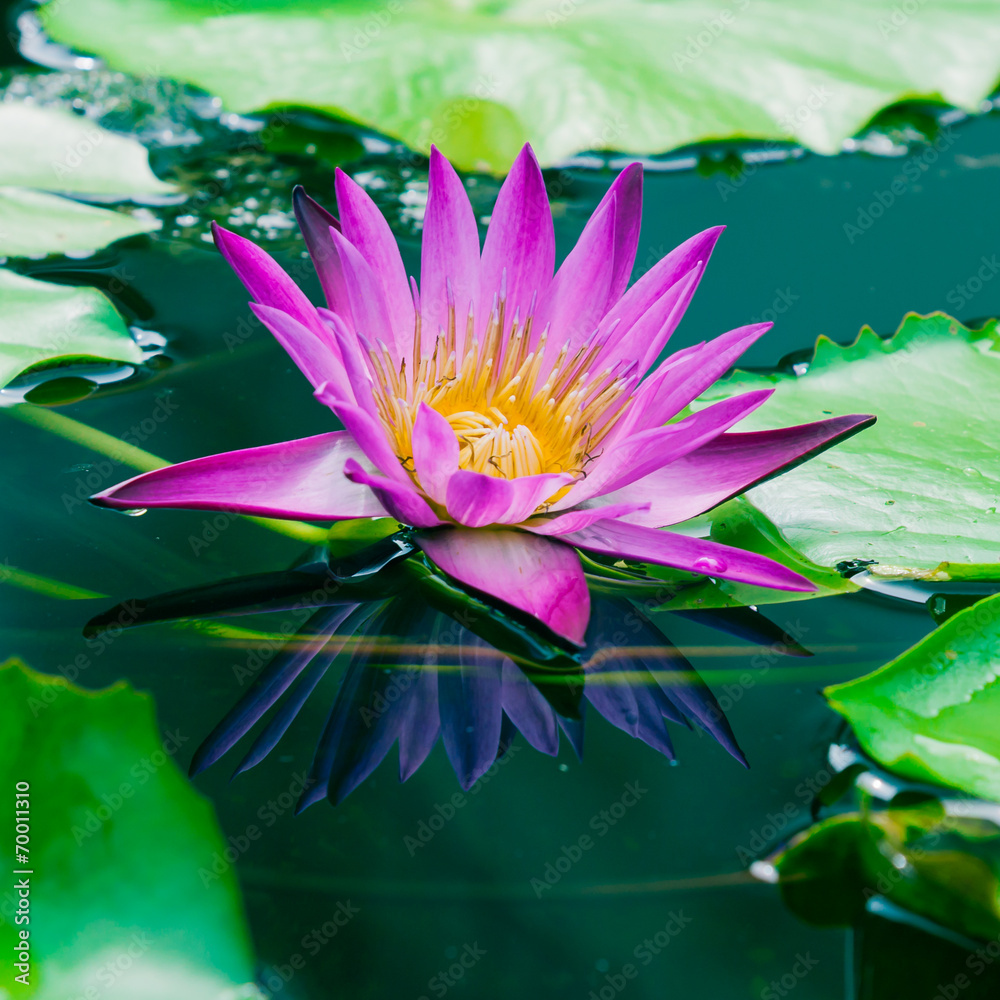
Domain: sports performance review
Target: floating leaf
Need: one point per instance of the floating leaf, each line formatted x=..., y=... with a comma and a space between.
x=41, y=322
x=931, y=714
x=46, y=150
x=119, y=847
x=919, y=492
x=939, y=866
x=54, y=150
x=33, y=223
x=479, y=78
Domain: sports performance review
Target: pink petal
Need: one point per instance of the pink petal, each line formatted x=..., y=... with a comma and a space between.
x=435, y=452
x=577, y=298
x=476, y=499
x=536, y=575
x=264, y=279
x=696, y=555
x=647, y=337
x=643, y=453
x=655, y=282
x=355, y=365
x=727, y=466
x=316, y=223
x=402, y=501
x=449, y=253
x=364, y=291
x=575, y=520
x=317, y=358
x=293, y=479
x=365, y=227
x=627, y=192
x=685, y=380
x=520, y=249
x=369, y=434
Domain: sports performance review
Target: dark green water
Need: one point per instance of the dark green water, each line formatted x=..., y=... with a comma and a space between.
x=674, y=857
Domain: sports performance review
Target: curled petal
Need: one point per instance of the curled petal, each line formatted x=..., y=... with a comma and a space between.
x=476, y=499
x=435, y=452
x=403, y=502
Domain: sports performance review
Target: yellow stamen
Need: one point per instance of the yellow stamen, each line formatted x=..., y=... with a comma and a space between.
x=513, y=414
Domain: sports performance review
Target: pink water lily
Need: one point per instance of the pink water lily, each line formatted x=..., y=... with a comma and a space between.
x=510, y=414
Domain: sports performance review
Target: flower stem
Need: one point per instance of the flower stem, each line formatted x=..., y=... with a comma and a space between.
x=129, y=455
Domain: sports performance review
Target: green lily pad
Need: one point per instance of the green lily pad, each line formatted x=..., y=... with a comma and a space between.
x=43, y=323
x=946, y=869
x=919, y=492
x=931, y=714
x=46, y=150
x=117, y=843
x=479, y=78
x=33, y=223
x=53, y=150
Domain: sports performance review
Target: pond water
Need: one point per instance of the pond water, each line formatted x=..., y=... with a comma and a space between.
x=674, y=861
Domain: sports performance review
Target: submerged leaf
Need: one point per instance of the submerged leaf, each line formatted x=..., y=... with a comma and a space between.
x=41, y=322
x=931, y=714
x=918, y=492
x=478, y=79
x=127, y=859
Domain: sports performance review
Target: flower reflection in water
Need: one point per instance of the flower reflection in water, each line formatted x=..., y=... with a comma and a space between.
x=423, y=662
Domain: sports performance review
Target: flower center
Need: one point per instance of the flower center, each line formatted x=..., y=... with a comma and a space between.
x=515, y=409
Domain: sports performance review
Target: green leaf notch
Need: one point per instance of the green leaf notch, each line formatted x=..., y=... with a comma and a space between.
x=919, y=492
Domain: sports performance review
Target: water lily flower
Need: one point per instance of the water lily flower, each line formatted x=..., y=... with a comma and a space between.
x=511, y=415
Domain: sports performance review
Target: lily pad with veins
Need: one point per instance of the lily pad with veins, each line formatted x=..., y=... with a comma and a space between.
x=480, y=78
x=919, y=492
